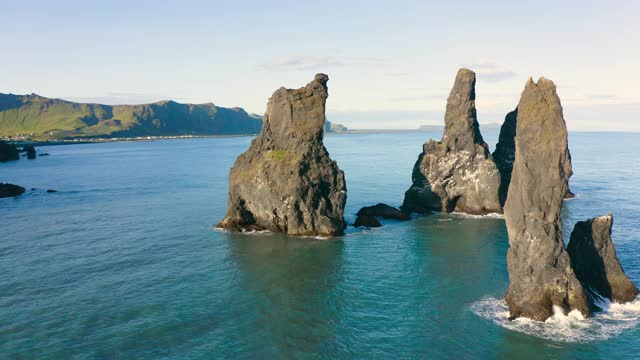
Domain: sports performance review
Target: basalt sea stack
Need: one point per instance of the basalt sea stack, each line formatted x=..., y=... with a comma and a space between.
x=595, y=262
x=540, y=273
x=286, y=181
x=456, y=173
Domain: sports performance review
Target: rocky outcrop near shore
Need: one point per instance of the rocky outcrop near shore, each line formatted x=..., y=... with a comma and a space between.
x=286, y=181
x=30, y=151
x=540, y=272
x=595, y=262
x=368, y=221
x=368, y=215
x=10, y=190
x=456, y=173
x=8, y=152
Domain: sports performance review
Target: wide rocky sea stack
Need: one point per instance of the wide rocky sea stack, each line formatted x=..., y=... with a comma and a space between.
x=595, y=262
x=456, y=173
x=540, y=273
x=286, y=181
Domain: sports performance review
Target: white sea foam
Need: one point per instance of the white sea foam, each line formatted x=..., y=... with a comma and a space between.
x=255, y=232
x=472, y=216
x=317, y=237
x=575, y=196
x=572, y=327
x=243, y=231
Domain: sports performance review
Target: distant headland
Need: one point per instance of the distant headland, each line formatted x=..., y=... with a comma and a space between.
x=37, y=118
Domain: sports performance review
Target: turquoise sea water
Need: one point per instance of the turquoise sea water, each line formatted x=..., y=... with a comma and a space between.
x=124, y=261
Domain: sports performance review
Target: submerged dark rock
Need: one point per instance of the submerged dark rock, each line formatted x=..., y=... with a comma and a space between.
x=595, y=262
x=456, y=173
x=10, y=190
x=505, y=152
x=367, y=221
x=540, y=273
x=8, y=152
x=286, y=180
x=51, y=191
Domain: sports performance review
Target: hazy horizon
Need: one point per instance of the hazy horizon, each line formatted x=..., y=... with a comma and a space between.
x=389, y=67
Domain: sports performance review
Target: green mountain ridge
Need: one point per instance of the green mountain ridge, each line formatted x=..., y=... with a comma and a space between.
x=48, y=118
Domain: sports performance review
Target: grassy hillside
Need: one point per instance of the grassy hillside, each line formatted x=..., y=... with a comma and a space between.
x=54, y=119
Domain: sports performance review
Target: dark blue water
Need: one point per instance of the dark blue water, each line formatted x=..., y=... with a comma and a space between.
x=124, y=262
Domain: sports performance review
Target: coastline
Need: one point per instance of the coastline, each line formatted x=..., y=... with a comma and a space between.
x=110, y=140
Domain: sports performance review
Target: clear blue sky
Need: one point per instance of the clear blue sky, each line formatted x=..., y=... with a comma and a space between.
x=391, y=64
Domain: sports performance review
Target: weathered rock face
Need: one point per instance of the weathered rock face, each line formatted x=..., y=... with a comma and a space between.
x=10, y=190
x=505, y=152
x=540, y=273
x=595, y=262
x=456, y=173
x=286, y=181
x=8, y=152
x=569, y=194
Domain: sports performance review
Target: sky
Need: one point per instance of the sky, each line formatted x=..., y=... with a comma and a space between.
x=391, y=64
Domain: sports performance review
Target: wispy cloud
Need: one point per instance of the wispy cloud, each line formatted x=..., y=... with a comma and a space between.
x=307, y=63
x=492, y=72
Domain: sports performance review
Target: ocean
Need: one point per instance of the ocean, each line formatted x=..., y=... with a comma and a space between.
x=124, y=261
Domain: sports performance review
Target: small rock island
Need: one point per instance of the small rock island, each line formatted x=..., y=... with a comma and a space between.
x=286, y=181
x=595, y=262
x=368, y=215
x=458, y=172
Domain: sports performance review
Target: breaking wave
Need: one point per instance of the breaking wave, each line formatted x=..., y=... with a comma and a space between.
x=243, y=231
x=572, y=327
x=471, y=216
